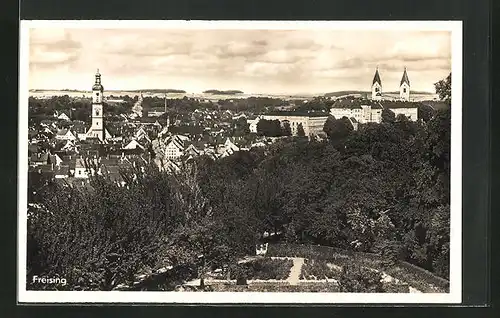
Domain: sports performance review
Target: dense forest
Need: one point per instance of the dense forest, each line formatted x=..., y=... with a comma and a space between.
x=384, y=188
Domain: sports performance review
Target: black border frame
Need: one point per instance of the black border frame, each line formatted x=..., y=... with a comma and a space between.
x=477, y=163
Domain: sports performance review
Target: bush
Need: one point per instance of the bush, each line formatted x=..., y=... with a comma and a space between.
x=263, y=268
x=277, y=287
x=356, y=279
x=396, y=288
x=418, y=278
x=318, y=269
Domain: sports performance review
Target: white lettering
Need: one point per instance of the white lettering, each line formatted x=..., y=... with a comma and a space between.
x=49, y=280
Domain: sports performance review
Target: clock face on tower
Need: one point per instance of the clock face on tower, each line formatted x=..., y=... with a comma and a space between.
x=96, y=97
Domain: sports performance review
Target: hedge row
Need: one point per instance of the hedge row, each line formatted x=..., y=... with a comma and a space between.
x=277, y=287
x=415, y=276
x=418, y=280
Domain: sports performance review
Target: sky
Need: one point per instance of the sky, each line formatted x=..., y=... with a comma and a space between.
x=253, y=61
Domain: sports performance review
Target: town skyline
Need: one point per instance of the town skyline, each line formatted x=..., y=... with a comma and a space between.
x=253, y=61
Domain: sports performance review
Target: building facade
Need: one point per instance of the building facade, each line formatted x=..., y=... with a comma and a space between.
x=312, y=124
x=357, y=110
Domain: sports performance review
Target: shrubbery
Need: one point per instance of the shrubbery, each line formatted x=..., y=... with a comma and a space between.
x=263, y=269
x=356, y=279
x=277, y=287
x=318, y=269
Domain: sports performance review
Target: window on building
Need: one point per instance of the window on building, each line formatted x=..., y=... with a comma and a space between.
x=404, y=90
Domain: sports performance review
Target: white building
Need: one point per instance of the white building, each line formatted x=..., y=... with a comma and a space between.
x=252, y=124
x=227, y=149
x=63, y=116
x=409, y=109
x=359, y=110
x=65, y=134
x=312, y=123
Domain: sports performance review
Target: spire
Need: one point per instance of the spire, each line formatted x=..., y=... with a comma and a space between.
x=405, y=79
x=97, y=84
x=376, y=78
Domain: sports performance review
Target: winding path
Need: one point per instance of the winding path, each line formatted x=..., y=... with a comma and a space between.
x=294, y=277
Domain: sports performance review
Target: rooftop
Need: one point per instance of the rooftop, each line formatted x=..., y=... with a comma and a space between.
x=399, y=104
x=355, y=103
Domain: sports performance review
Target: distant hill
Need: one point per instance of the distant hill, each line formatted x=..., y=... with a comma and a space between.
x=218, y=92
x=342, y=93
x=58, y=90
x=411, y=92
x=153, y=91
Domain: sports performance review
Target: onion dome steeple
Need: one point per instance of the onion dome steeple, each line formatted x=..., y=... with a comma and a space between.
x=97, y=85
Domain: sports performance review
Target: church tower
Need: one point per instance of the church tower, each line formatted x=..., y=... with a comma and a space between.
x=97, y=128
x=404, y=87
x=376, y=86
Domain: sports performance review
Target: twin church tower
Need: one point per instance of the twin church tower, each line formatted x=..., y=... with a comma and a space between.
x=404, y=87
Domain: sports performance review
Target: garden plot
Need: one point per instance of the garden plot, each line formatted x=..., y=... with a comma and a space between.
x=319, y=270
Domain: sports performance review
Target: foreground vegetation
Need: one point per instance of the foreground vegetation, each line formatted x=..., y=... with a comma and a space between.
x=383, y=189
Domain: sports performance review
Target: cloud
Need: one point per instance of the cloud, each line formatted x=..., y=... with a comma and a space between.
x=52, y=48
x=270, y=59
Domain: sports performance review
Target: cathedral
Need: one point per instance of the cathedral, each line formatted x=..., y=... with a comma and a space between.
x=98, y=129
x=404, y=87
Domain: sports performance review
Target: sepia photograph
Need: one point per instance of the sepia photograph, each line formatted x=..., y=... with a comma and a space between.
x=240, y=162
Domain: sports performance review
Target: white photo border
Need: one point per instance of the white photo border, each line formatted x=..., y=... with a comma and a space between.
x=454, y=296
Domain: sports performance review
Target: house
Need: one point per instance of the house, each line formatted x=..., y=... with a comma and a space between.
x=82, y=170
x=63, y=116
x=38, y=159
x=167, y=165
x=192, y=151
x=140, y=132
x=65, y=134
x=134, y=145
x=227, y=149
x=258, y=145
x=252, y=124
x=175, y=146
x=62, y=172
